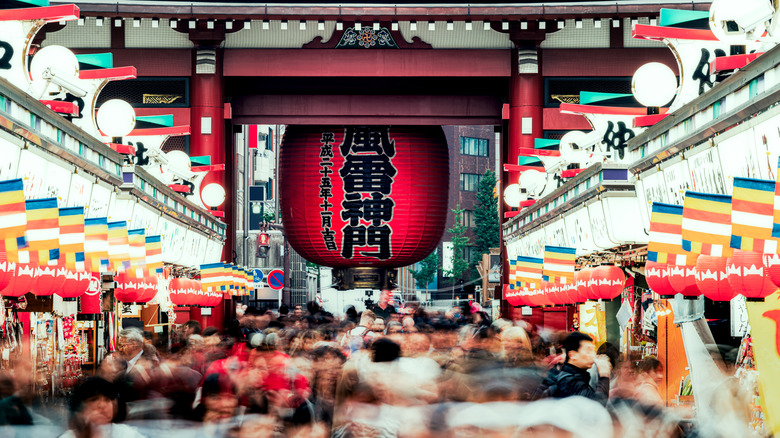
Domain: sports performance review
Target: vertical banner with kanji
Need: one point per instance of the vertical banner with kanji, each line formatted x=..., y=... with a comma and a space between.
x=765, y=330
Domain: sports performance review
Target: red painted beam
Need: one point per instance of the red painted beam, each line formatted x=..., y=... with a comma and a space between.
x=61, y=107
x=124, y=149
x=649, y=120
x=179, y=188
x=211, y=168
x=173, y=130
x=116, y=73
x=531, y=152
x=555, y=120
x=518, y=168
x=613, y=62
x=510, y=214
x=647, y=32
x=573, y=108
x=217, y=213
x=367, y=109
x=527, y=203
x=46, y=13
x=568, y=173
x=733, y=62
x=367, y=63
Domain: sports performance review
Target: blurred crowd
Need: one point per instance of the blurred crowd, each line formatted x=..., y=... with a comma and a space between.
x=302, y=372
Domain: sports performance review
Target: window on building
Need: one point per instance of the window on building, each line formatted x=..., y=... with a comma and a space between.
x=471, y=253
x=469, y=182
x=467, y=219
x=474, y=146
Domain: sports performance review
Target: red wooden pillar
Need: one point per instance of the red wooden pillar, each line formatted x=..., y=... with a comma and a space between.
x=209, y=137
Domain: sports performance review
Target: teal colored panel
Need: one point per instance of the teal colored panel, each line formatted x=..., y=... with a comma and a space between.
x=675, y=17
x=528, y=161
x=204, y=160
x=100, y=60
x=540, y=143
x=590, y=97
x=35, y=2
x=163, y=120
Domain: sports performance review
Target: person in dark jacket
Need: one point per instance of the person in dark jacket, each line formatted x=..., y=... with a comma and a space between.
x=572, y=378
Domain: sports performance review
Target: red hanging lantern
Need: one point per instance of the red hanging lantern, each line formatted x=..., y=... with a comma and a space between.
x=712, y=278
x=593, y=282
x=147, y=287
x=581, y=278
x=74, y=284
x=6, y=271
x=772, y=264
x=408, y=167
x=177, y=292
x=609, y=281
x=126, y=290
x=683, y=280
x=747, y=275
x=570, y=293
x=91, y=299
x=513, y=296
x=657, y=276
x=45, y=281
x=22, y=280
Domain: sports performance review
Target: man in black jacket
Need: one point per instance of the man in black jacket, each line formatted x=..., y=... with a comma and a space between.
x=573, y=378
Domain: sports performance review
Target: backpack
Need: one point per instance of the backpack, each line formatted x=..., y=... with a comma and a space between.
x=549, y=386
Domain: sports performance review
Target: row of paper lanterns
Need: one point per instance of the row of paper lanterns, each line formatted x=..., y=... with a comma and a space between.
x=17, y=279
x=600, y=283
x=750, y=274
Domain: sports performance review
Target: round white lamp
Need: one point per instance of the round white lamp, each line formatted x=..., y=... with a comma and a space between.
x=654, y=85
x=533, y=182
x=54, y=64
x=213, y=195
x=512, y=195
x=116, y=118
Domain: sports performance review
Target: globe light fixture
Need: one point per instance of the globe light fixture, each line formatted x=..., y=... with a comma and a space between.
x=55, y=65
x=512, y=195
x=116, y=118
x=654, y=85
x=213, y=195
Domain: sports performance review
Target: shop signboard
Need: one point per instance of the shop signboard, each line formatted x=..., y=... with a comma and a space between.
x=706, y=175
x=677, y=180
x=767, y=137
x=32, y=170
x=121, y=209
x=146, y=218
x=765, y=330
x=738, y=157
x=172, y=240
x=80, y=191
x=98, y=201
x=9, y=159
x=57, y=182
x=579, y=231
x=555, y=233
x=738, y=317
x=652, y=190
x=598, y=226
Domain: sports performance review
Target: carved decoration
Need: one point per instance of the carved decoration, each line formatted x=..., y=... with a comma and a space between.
x=366, y=38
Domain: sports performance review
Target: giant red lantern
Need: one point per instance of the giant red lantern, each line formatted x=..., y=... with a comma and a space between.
x=657, y=276
x=747, y=275
x=607, y=282
x=22, y=280
x=364, y=196
x=712, y=278
x=683, y=280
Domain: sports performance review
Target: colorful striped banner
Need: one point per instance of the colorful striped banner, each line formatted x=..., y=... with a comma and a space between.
x=154, y=260
x=665, y=242
x=529, y=272
x=513, y=282
x=13, y=217
x=776, y=221
x=72, y=237
x=211, y=276
x=43, y=232
x=224, y=278
x=752, y=215
x=706, y=224
x=96, y=244
x=559, y=264
x=137, y=241
x=118, y=246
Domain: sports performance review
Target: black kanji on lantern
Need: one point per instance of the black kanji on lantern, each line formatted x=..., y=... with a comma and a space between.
x=326, y=186
x=367, y=176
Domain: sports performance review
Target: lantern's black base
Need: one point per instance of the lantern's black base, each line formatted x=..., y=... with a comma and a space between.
x=89, y=317
x=689, y=297
x=667, y=297
x=364, y=278
x=70, y=299
x=755, y=300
